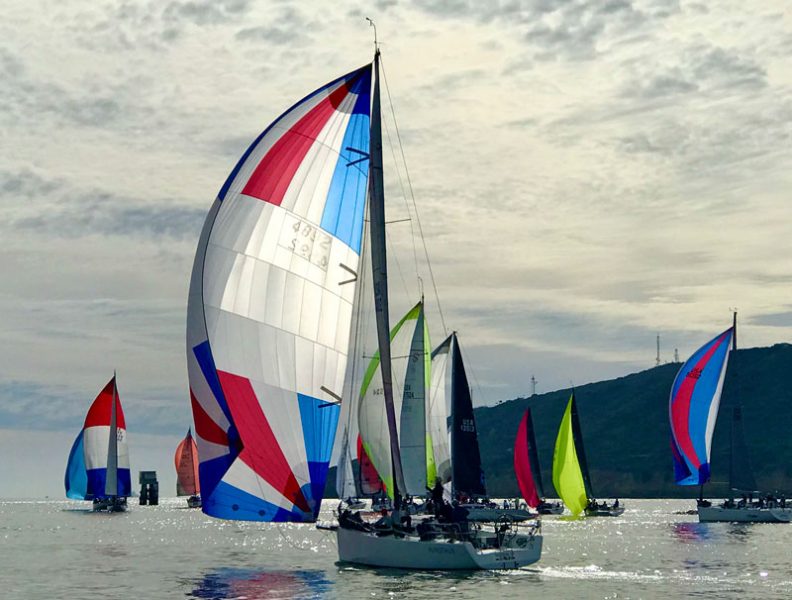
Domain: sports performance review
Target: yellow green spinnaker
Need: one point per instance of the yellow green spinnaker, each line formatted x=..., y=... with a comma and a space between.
x=567, y=475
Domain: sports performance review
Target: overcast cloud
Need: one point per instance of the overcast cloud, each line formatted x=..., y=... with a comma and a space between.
x=588, y=174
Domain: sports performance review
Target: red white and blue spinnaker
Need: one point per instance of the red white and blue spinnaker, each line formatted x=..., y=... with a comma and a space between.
x=270, y=307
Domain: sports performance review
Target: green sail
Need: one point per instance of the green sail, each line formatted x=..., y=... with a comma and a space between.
x=567, y=477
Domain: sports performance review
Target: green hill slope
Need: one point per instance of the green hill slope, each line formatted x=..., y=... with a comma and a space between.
x=626, y=433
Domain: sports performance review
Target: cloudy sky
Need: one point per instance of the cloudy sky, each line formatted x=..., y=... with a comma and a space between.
x=588, y=174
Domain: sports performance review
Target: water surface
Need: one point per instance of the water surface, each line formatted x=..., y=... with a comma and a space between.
x=56, y=549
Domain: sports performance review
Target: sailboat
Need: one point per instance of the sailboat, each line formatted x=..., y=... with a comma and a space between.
x=570, y=470
x=528, y=470
x=187, y=481
x=98, y=464
x=269, y=322
x=464, y=473
x=693, y=410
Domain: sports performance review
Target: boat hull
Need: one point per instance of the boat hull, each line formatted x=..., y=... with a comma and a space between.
x=365, y=548
x=110, y=504
x=719, y=514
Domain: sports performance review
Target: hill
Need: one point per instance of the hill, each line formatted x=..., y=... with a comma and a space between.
x=625, y=429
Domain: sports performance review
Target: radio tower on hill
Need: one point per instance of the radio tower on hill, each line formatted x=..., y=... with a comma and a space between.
x=657, y=360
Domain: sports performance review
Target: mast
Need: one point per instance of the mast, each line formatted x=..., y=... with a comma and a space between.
x=379, y=266
x=111, y=479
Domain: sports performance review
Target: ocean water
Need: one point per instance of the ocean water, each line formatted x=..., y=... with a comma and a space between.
x=56, y=549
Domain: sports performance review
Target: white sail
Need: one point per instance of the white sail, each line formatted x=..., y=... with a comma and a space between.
x=439, y=412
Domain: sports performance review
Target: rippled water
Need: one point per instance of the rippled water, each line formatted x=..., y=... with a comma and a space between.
x=58, y=550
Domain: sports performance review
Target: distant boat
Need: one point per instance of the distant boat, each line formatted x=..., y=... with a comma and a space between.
x=98, y=465
x=693, y=410
x=528, y=470
x=570, y=470
x=187, y=480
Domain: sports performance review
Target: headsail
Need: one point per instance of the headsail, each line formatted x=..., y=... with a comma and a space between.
x=412, y=369
x=467, y=474
x=270, y=306
x=526, y=466
x=372, y=411
x=106, y=456
x=186, y=460
x=567, y=476
x=693, y=409
x=76, y=479
x=438, y=411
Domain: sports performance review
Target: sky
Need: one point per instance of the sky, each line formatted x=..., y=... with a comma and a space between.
x=588, y=175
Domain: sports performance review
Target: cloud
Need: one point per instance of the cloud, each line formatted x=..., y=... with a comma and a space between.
x=779, y=319
x=73, y=212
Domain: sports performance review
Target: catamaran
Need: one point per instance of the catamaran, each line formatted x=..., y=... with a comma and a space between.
x=570, y=470
x=693, y=410
x=98, y=465
x=186, y=461
x=528, y=470
x=270, y=316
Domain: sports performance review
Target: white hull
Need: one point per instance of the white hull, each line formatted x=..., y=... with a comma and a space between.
x=718, y=514
x=365, y=548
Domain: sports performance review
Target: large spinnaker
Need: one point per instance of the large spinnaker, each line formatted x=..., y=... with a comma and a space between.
x=693, y=409
x=106, y=456
x=270, y=306
x=567, y=476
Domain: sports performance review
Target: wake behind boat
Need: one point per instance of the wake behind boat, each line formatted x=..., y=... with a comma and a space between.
x=98, y=465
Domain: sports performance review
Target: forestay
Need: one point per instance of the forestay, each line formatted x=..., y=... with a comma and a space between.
x=270, y=307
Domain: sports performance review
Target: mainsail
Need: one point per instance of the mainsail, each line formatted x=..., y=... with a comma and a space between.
x=438, y=411
x=526, y=462
x=270, y=307
x=567, y=475
x=186, y=459
x=467, y=475
x=105, y=454
x=693, y=409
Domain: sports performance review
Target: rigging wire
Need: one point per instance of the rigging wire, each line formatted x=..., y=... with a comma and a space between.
x=412, y=197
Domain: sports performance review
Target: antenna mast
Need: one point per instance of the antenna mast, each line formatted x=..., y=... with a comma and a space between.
x=533, y=385
x=657, y=360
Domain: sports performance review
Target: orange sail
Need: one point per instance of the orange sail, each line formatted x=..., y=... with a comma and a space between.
x=187, y=467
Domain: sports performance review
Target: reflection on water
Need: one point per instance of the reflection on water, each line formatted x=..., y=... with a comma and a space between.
x=691, y=533
x=250, y=584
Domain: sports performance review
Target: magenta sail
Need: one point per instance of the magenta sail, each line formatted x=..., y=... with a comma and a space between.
x=522, y=461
